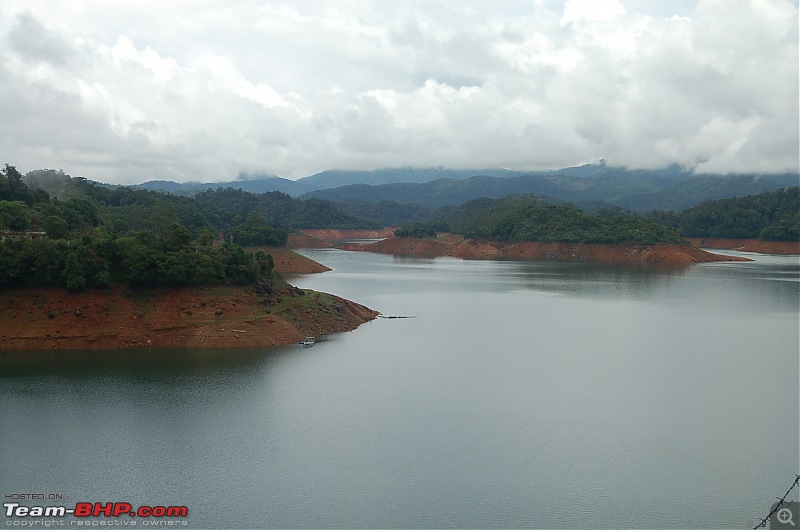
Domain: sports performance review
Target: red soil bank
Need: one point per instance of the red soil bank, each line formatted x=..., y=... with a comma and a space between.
x=449, y=245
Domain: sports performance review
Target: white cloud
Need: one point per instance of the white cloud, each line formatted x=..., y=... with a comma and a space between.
x=161, y=68
x=192, y=91
x=592, y=10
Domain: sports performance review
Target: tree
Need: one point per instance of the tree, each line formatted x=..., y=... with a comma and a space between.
x=80, y=213
x=417, y=230
x=140, y=258
x=12, y=187
x=55, y=227
x=178, y=238
x=205, y=238
x=14, y=215
x=189, y=268
x=265, y=262
x=783, y=230
x=74, y=278
x=768, y=216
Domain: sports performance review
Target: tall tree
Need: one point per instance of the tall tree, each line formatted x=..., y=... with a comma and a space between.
x=12, y=188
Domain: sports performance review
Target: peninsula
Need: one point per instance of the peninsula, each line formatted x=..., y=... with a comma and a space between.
x=216, y=316
x=458, y=246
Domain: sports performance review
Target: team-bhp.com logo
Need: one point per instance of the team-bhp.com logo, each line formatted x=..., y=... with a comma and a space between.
x=94, y=510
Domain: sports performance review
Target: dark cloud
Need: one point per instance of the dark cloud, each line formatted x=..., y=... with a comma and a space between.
x=34, y=43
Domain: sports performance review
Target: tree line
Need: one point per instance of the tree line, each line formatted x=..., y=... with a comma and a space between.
x=528, y=218
x=95, y=235
x=87, y=234
x=770, y=216
x=278, y=209
x=138, y=259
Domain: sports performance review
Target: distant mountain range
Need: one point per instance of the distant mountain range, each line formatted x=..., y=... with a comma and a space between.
x=332, y=178
x=335, y=178
x=592, y=186
x=629, y=191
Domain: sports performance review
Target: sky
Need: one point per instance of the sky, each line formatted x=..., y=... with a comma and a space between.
x=201, y=90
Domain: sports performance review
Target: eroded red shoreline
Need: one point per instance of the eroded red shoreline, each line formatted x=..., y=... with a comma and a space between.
x=748, y=245
x=193, y=317
x=457, y=246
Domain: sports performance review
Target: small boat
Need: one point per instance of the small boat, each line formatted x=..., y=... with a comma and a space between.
x=308, y=341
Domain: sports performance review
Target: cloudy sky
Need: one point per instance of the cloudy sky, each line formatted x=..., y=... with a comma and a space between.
x=134, y=90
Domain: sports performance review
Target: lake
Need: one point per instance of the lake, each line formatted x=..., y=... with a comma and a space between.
x=515, y=394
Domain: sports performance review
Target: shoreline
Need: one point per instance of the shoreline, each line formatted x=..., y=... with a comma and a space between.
x=458, y=247
x=224, y=316
x=120, y=317
x=748, y=245
x=327, y=238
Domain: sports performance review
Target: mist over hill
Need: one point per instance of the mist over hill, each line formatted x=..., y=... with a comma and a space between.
x=638, y=190
x=668, y=188
x=255, y=184
x=729, y=206
x=334, y=178
x=392, y=197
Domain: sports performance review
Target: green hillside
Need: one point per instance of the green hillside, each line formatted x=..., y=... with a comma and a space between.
x=771, y=216
x=90, y=235
x=530, y=219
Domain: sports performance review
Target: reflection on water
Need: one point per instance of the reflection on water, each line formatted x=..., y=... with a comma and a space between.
x=596, y=279
x=129, y=361
x=646, y=396
x=727, y=282
x=769, y=282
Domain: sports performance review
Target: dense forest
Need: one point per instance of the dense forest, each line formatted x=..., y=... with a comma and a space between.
x=770, y=216
x=633, y=190
x=669, y=188
x=530, y=219
x=279, y=209
x=94, y=235
x=69, y=231
x=386, y=213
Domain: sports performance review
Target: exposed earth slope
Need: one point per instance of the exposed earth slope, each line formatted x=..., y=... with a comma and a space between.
x=195, y=317
x=457, y=246
x=748, y=245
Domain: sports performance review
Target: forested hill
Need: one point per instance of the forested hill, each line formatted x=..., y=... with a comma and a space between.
x=280, y=209
x=634, y=190
x=530, y=219
x=327, y=179
x=100, y=236
x=335, y=178
x=93, y=235
x=218, y=209
x=95, y=218
x=629, y=188
x=771, y=216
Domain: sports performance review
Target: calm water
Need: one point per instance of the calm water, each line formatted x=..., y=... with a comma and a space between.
x=521, y=394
